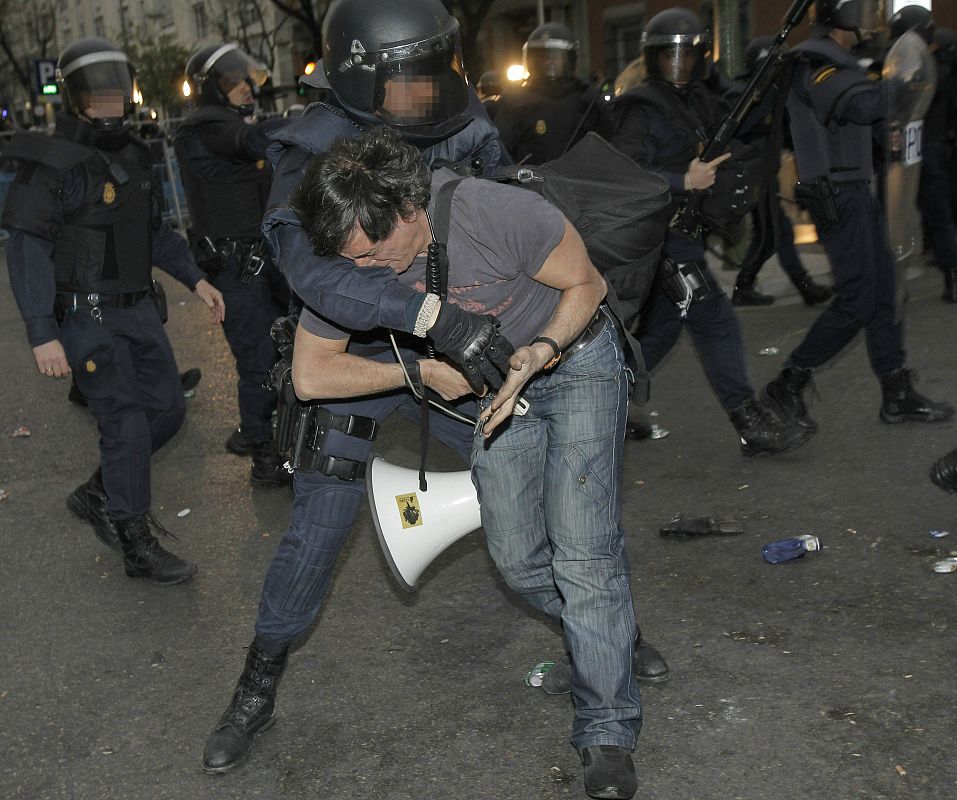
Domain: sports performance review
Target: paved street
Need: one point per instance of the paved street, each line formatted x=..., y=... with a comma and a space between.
x=827, y=678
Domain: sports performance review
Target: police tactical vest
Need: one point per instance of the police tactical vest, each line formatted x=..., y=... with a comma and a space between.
x=693, y=119
x=228, y=201
x=538, y=126
x=822, y=147
x=106, y=244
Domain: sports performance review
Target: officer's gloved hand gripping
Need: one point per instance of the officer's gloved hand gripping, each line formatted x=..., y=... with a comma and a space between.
x=475, y=343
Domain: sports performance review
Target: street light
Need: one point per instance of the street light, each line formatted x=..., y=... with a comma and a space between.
x=516, y=72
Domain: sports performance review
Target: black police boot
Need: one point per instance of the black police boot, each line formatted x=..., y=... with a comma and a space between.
x=238, y=444
x=252, y=710
x=813, y=293
x=903, y=403
x=88, y=502
x=267, y=469
x=144, y=557
x=944, y=472
x=950, y=285
x=649, y=666
x=609, y=771
x=784, y=396
x=762, y=433
x=745, y=295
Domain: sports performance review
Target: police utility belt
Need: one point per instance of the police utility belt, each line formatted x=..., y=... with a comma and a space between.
x=70, y=302
x=248, y=253
x=302, y=429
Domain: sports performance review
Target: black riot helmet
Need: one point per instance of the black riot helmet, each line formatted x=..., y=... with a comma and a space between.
x=216, y=70
x=916, y=19
x=756, y=51
x=675, y=44
x=95, y=75
x=399, y=63
x=550, y=53
x=860, y=16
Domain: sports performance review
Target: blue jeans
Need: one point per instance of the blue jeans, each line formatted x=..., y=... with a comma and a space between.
x=548, y=484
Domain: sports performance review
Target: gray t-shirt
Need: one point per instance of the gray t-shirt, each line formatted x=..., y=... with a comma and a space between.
x=499, y=237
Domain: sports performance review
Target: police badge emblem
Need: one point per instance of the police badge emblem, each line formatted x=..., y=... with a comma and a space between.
x=540, y=127
x=109, y=193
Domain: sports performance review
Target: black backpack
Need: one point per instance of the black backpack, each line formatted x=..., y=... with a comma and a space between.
x=618, y=208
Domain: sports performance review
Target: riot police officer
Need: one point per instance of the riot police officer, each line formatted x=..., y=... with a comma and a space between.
x=86, y=230
x=662, y=124
x=552, y=108
x=833, y=106
x=421, y=91
x=222, y=159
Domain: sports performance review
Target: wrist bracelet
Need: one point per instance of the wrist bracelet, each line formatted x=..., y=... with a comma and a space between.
x=555, y=349
x=424, y=317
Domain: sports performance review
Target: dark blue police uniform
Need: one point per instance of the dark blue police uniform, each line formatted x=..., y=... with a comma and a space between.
x=86, y=229
x=227, y=178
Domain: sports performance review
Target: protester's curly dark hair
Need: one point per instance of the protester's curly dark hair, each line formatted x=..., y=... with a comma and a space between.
x=370, y=180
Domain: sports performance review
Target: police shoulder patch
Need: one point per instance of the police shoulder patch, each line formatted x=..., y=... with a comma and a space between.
x=823, y=74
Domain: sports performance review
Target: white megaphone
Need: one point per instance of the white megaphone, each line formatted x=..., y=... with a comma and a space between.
x=415, y=526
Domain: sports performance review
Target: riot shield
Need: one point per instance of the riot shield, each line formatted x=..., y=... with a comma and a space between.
x=910, y=62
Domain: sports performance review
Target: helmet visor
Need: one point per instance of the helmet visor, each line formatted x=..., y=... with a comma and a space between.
x=103, y=86
x=421, y=90
x=234, y=67
x=549, y=62
x=678, y=63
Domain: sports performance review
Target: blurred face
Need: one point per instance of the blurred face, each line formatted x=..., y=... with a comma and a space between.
x=677, y=64
x=241, y=94
x=551, y=63
x=409, y=239
x=105, y=104
x=409, y=98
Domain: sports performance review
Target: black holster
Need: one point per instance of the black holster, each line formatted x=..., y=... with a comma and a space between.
x=683, y=284
x=158, y=294
x=311, y=424
x=818, y=198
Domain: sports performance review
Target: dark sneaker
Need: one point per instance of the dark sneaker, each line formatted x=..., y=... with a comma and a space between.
x=190, y=379
x=944, y=472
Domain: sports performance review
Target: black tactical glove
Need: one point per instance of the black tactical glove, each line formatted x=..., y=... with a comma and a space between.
x=474, y=343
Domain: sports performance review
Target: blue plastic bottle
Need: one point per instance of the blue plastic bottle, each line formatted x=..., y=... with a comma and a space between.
x=788, y=549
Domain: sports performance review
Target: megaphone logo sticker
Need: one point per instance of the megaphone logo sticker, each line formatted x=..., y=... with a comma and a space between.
x=409, y=510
